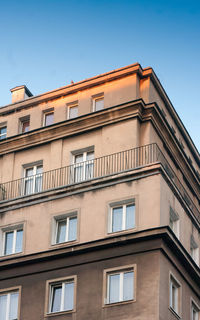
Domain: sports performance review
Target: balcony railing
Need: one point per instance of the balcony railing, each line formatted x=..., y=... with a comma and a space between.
x=94, y=169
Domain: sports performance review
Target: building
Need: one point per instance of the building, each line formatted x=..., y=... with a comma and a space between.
x=99, y=203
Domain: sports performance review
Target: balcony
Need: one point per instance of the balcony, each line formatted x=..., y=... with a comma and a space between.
x=98, y=168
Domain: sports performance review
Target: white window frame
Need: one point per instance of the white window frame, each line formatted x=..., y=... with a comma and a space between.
x=196, y=308
x=66, y=218
x=174, y=222
x=175, y=306
x=32, y=178
x=95, y=99
x=8, y=293
x=194, y=250
x=50, y=284
x=82, y=165
x=45, y=113
x=121, y=271
x=70, y=106
x=4, y=135
x=14, y=230
x=122, y=204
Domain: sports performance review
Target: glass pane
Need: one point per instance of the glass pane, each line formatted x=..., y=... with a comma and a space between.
x=99, y=104
x=73, y=112
x=89, y=170
x=117, y=214
x=90, y=156
x=3, y=303
x=61, y=231
x=29, y=172
x=72, y=228
x=3, y=132
x=78, y=158
x=78, y=173
x=128, y=286
x=38, y=183
x=48, y=119
x=9, y=242
x=13, y=306
x=114, y=288
x=130, y=216
x=69, y=296
x=56, y=299
x=39, y=169
x=19, y=241
x=28, y=189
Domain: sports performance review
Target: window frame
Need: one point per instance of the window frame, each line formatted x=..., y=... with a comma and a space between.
x=22, y=121
x=49, y=293
x=33, y=177
x=95, y=98
x=82, y=164
x=46, y=113
x=194, y=250
x=118, y=270
x=173, y=281
x=3, y=126
x=122, y=203
x=61, y=217
x=196, y=307
x=9, y=291
x=174, y=222
x=70, y=106
x=12, y=228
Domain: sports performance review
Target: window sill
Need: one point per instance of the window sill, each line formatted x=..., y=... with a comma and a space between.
x=64, y=244
x=12, y=255
x=118, y=303
x=122, y=231
x=174, y=313
x=53, y=314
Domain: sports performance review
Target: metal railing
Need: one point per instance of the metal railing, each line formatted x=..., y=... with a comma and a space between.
x=94, y=169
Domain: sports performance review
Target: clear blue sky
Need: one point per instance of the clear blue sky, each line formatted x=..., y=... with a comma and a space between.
x=47, y=43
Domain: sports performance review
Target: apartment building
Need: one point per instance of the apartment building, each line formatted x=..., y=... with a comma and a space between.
x=99, y=203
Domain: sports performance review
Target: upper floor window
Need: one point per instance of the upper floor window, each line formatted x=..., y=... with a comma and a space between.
x=175, y=295
x=174, y=222
x=72, y=111
x=48, y=118
x=83, y=168
x=33, y=179
x=61, y=295
x=3, y=132
x=194, y=311
x=9, y=305
x=119, y=285
x=24, y=125
x=122, y=216
x=66, y=228
x=12, y=240
x=98, y=103
x=194, y=249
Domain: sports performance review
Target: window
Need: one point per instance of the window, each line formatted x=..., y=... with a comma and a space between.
x=61, y=295
x=98, y=103
x=83, y=168
x=25, y=125
x=119, y=285
x=66, y=229
x=72, y=111
x=3, y=133
x=194, y=311
x=175, y=300
x=12, y=240
x=33, y=179
x=9, y=305
x=122, y=216
x=48, y=118
x=194, y=249
x=174, y=222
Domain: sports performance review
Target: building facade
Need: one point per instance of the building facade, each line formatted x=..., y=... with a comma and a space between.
x=99, y=203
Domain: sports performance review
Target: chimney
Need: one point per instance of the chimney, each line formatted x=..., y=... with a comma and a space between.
x=20, y=93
